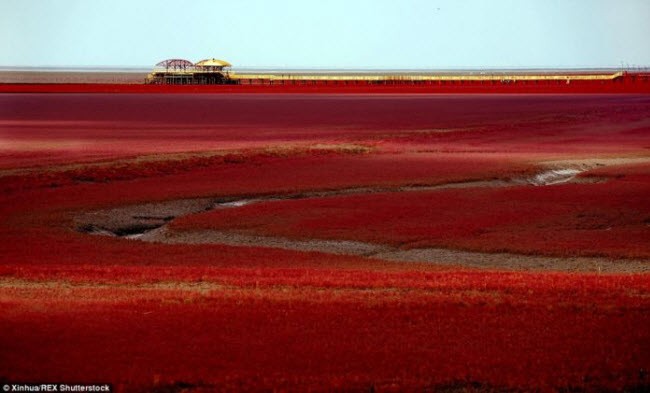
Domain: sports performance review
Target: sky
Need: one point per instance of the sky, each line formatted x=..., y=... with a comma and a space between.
x=327, y=34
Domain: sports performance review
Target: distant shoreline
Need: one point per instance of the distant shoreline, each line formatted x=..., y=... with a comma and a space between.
x=137, y=75
x=114, y=77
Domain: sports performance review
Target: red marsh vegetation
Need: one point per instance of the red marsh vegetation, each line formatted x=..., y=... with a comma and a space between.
x=153, y=316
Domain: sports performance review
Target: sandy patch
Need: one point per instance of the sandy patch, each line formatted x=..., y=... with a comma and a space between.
x=439, y=256
x=346, y=247
x=591, y=163
x=279, y=151
x=506, y=261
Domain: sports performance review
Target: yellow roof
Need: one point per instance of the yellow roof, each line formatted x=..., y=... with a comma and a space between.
x=213, y=63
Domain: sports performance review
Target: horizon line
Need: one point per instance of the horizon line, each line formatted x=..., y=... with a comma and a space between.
x=106, y=68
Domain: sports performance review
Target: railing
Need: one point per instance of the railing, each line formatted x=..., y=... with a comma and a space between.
x=491, y=77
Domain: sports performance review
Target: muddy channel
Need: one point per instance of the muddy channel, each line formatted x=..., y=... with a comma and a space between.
x=149, y=223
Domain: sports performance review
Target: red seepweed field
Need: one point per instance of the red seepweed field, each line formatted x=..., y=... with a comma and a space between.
x=326, y=242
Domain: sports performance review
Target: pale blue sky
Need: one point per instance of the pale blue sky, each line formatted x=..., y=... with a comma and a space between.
x=334, y=33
